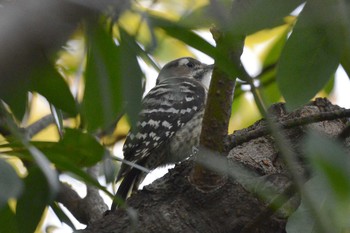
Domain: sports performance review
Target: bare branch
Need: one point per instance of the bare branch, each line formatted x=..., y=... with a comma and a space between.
x=240, y=137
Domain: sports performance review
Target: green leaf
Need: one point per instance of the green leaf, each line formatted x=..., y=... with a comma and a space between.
x=271, y=93
x=17, y=102
x=199, y=18
x=330, y=85
x=46, y=80
x=329, y=189
x=102, y=101
x=76, y=147
x=10, y=184
x=35, y=198
x=184, y=34
x=43, y=163
x=343, y=14
x=88, y=151
x=86, y=178
x=302, y=220
x=40, y=160
x=276, y=47
x=131, y=74
x=310, y=57
x=250, y=16
x=345, y=59
x=329, y=158
x=221, y=55
x=7, y=220
x=79, y=148
x=330, y=163
x=62, y=215
x=62, y=157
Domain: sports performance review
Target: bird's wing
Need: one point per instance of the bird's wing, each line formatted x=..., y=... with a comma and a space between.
x=165, y=109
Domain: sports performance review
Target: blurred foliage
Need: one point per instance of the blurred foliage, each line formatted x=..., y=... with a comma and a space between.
x=329, y=187
x=96, y=79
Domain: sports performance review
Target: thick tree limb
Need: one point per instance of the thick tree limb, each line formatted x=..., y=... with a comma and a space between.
x=172, y=204
x=88, y=209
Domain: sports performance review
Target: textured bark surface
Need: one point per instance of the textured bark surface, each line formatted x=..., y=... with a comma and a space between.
x=172, y=204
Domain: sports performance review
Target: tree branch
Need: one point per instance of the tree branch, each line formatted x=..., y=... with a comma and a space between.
x=70, y=199
x=240, y=137
x=173, y=204
x=88, y=209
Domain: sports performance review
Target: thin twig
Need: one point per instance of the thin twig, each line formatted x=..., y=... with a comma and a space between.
x=39, y=125
x=240, y=138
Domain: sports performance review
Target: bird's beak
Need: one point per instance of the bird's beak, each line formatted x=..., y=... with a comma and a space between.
x=210, y=67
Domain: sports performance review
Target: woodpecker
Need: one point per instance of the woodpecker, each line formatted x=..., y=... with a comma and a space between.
x=170, y=121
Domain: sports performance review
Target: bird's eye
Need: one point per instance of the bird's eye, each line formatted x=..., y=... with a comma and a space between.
x=190, y=64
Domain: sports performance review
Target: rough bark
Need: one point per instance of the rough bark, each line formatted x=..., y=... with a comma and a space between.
x=172, y=204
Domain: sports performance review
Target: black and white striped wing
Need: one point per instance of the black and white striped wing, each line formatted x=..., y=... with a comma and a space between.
x=165, y=109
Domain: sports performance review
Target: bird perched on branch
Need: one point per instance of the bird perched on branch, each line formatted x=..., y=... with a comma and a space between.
x=169, y=124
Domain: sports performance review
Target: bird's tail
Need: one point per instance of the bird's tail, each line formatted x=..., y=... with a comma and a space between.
x=130, y=181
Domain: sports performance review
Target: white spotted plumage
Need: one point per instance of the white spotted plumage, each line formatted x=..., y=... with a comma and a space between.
x=171, y=117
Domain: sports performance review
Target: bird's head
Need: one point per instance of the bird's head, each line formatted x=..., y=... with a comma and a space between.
x=186, y=67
